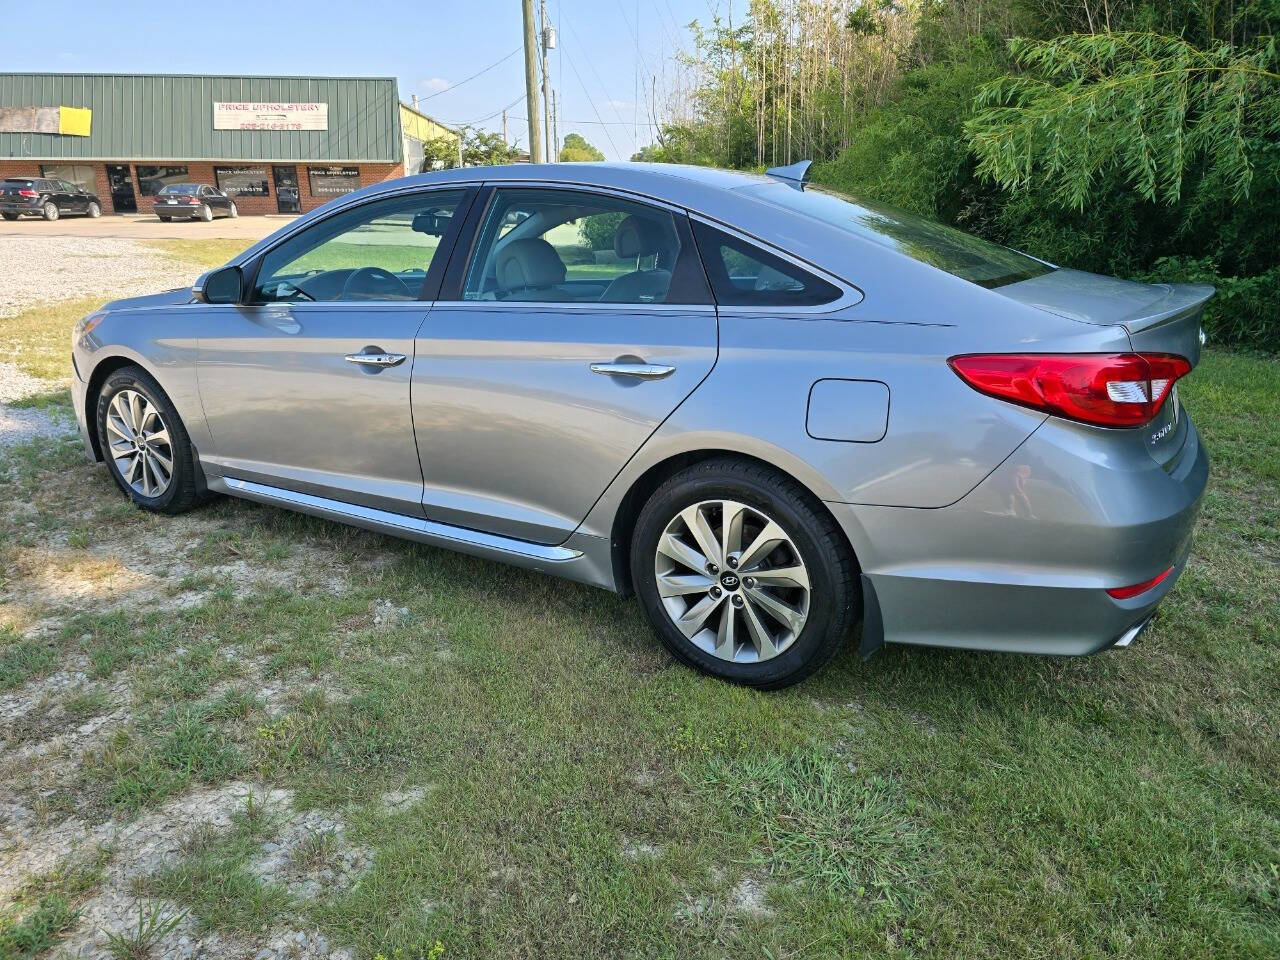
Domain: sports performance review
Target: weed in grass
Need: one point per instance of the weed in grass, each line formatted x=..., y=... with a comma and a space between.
x=154, y=924
x=23, y=660
x=45, y=906
x=849, y=835
x=91, y=702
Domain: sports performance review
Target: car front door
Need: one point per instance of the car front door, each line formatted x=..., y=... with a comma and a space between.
x=305, y=385
x=580, y=322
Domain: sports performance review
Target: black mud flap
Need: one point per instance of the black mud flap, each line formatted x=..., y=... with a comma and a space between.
x=872, y=621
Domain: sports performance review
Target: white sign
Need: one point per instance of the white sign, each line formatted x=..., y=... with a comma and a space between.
x=270, y=116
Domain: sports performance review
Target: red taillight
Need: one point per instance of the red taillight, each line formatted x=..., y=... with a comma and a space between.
x=1106, y=389
x=1124, y=593
x=27, y=193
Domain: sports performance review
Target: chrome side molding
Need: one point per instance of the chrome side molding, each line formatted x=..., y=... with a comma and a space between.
x=416, y=528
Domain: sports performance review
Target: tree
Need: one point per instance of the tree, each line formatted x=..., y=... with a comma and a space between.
x=1153, y=109
x=576, y=148
x=479, y=149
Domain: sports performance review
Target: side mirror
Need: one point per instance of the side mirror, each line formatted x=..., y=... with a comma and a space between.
x=224, y=285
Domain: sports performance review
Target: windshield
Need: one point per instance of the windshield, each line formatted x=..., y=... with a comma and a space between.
x=958, y=253
x=187, y=189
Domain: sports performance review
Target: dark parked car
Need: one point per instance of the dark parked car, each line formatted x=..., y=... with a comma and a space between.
x=45, y=197
x=191, y=200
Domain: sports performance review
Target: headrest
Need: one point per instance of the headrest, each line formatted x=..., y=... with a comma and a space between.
x=637, y=237
x=527, y=263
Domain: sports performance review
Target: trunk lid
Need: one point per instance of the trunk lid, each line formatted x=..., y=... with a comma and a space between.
x=1158, y=317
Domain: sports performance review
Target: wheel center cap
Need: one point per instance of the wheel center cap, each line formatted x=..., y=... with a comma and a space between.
x=729, y=581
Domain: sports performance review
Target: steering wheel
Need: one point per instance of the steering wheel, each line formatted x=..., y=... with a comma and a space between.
x=373, y=273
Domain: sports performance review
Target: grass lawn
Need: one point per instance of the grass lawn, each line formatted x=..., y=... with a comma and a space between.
x=475, y=761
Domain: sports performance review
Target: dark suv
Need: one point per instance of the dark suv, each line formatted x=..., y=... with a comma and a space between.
x=46, y=197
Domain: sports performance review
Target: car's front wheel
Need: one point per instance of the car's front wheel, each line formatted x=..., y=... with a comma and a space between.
x=743, y=574
x=95, y=210
x=145, y=444
x=234, y=212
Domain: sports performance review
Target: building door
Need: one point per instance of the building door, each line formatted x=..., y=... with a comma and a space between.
x=121, y=184
x=287, y=198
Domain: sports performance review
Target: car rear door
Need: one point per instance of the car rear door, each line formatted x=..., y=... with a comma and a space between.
x=305, y=385
x=552, y=355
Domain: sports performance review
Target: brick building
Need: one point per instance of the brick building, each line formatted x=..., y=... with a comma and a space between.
x=276, y=144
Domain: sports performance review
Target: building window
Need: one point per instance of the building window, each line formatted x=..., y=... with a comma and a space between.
x=333, y=181
x=151, y=180
x=81, y=175
x=242, y=181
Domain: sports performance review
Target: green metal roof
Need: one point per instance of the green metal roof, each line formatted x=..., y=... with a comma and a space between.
x=170, y=117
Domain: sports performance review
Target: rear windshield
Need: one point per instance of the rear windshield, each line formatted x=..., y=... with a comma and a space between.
x=189, y=189
x=958, y=253
x=14, y=182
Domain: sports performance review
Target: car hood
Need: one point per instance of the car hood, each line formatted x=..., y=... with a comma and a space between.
x=168, y=298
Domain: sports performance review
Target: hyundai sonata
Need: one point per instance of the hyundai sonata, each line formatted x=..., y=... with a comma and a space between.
x=771, y=411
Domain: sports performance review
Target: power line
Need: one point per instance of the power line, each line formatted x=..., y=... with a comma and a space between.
x=596, y=73
x=574, y=67
x=472, y=123
x=455, y=86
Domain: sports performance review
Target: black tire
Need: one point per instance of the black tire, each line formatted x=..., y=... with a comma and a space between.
x=234, y=212
x=206, y=212
x=164, y=218
x=835, y=595
x=94, y=210
x=50, y=211
x=183, y=492
x=10, y=216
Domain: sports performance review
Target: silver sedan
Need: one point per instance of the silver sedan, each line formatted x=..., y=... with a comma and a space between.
x=771, y=411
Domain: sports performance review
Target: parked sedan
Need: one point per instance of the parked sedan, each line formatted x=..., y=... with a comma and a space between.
x=769, y=410
x=191, y=201
x=45, y=197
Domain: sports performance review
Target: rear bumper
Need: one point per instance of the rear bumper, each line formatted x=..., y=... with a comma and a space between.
x=1022, y=563
x=177, y=211
x=35, y=208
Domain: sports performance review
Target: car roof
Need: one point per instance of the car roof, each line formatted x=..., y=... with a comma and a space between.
x=642, y=177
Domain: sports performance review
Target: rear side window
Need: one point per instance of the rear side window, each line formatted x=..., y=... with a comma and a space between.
x=745, y=275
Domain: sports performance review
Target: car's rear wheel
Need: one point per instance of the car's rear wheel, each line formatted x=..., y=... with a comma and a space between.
x=144, y=443
x=50, y=211
x=743, y=574
x=206, y=212
x=164, y=218
x=95, y=210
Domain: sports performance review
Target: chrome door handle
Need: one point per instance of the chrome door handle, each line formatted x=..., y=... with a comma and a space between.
x=641, y=371
x=376, y=359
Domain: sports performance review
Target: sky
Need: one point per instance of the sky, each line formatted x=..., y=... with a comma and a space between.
x=429, y=46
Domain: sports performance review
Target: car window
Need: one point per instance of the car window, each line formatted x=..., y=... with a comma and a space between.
x=958, y=253
x=745, y=275
x=377, y=251
x=567, y=246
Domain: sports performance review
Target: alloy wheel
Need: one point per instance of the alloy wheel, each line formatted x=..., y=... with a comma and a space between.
x=140, y=443
x=732, y=581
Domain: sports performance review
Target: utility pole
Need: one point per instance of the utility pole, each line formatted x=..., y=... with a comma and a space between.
x=504, y=129
x=547, y=41
x=531, y=82
x=555, y=123
x=462, y=132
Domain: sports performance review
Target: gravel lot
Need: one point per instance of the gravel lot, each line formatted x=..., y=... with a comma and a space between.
x=44, y=269
x=41, y=269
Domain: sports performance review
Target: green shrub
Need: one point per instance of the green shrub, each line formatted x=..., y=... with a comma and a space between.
x=1246, y=310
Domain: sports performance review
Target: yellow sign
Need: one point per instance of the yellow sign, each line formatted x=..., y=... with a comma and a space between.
x=74, y=121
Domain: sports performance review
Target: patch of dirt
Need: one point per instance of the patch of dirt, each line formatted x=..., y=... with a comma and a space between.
x=311, y=856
